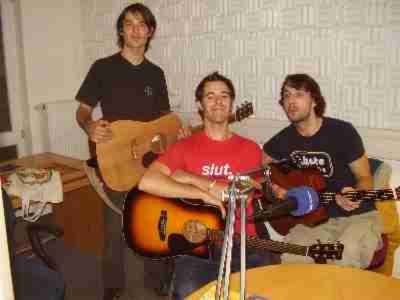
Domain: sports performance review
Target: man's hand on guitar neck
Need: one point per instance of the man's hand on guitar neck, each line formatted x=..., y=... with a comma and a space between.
x=98, y=131
x=344, y=202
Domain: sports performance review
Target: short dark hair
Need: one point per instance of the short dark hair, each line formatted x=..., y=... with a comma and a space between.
x=147, y=15
x=215, y=76
x=307, y=83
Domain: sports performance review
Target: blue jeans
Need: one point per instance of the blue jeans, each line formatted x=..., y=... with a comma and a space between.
x=32, y=279
x=35, y=281
x=191, y=273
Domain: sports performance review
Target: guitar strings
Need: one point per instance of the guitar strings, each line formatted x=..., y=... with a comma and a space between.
x=383, y=194
x=328, y=251
x=216, y=235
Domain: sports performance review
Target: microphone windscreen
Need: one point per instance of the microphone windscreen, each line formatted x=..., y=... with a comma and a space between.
x=307, y=200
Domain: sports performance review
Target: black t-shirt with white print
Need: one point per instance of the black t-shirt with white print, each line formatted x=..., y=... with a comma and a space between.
x=330, y=150
x=125, y=91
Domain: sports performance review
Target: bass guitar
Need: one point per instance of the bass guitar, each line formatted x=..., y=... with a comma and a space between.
x=124, y=159
x=293, y=177
x=157, y=227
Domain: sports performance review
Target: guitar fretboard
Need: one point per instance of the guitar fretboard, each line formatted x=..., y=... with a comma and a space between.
x=372, y=195
x=254, y=242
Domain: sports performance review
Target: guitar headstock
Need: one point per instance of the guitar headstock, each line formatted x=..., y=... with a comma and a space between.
x=244, y=111
x=320, y=252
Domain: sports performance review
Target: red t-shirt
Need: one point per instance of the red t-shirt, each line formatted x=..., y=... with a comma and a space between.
x=198, y=154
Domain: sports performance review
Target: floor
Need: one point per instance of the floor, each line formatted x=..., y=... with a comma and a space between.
x=82, y=272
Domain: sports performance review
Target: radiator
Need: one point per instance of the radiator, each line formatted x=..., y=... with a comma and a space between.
x=61, y=133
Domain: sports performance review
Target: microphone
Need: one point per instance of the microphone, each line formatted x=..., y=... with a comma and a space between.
x=298, y=201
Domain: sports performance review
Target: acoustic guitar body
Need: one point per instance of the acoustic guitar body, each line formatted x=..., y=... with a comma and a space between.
x=134, y=145
x=122, y=161
x=290, y=178
x=153, y=226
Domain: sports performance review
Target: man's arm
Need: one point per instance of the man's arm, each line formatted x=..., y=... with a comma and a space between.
x=84, y=116
x=98, y=131
x=361, y=171
x=159, y=180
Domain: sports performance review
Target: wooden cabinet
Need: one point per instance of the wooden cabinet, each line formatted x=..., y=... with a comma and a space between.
x=81, y=216
x=81, y=212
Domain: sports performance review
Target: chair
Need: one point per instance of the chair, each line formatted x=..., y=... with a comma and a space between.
x=34, y=232
x=33, y=279
x=388, y=175
x=381, y=172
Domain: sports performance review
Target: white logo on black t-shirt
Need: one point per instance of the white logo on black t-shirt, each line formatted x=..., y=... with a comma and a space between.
x=148, y=91
x=320, y=160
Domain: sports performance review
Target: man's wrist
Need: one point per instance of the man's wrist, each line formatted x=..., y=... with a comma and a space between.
x=211, y=185
x=85, y=125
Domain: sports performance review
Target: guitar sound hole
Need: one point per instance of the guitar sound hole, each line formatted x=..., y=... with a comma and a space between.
x=148, y=158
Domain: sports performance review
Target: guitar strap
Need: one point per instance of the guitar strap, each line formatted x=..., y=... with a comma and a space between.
x=261, y=229
x=98, y=186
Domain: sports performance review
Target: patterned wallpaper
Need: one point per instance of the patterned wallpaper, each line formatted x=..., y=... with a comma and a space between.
x=351, y=47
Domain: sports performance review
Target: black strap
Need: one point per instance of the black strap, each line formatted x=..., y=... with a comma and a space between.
x=92, y=162
x=261, y=229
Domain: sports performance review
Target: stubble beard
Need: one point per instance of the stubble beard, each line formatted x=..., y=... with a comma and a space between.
x=303, y=117
x=217, y=117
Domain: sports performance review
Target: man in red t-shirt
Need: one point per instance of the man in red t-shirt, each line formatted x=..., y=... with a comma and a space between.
x=197, y=167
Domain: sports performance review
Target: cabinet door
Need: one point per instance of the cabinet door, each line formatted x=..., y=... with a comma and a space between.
x=81, y=217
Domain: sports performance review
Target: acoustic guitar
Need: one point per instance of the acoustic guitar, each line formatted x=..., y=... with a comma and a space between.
x=289, y=177
x=157, y=227
x=124, y=159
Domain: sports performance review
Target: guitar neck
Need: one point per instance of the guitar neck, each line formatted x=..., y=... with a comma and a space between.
x=372, y=195
x=262, y=244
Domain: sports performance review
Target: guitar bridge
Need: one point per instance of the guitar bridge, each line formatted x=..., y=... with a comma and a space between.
x=162, y=225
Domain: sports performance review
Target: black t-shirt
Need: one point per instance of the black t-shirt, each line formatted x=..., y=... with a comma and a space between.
x=125, y=91
x=331, y=150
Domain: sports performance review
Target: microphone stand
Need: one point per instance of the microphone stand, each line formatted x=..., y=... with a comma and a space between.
x=226, y=255
x=243, y=202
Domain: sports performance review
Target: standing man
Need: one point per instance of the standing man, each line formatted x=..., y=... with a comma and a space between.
x=127, y=86
x=336, y=149
x=197, y=167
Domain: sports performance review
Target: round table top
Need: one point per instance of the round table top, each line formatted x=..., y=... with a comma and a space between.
x=310, y=281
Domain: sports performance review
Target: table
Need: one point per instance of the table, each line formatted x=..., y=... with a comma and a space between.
x=311, y=281
x=81, y=212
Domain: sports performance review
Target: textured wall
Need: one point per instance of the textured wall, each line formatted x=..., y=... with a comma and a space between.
x=351, y=47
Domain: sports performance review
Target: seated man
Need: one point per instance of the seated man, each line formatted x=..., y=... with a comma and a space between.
x=335, y=148
x=32, y=280
x=197, y=167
